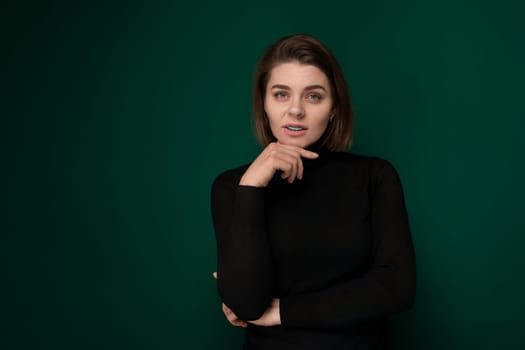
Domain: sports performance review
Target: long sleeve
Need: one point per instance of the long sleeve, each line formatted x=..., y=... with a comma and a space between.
x=244, y=263
x=389, y=284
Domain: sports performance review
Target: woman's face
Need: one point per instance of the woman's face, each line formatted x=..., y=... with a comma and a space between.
x=298, y=103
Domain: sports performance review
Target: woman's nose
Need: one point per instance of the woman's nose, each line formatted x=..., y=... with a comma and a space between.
x=296, y=110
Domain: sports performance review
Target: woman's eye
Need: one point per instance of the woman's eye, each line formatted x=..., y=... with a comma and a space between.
x=279, y=95
x=314, y=97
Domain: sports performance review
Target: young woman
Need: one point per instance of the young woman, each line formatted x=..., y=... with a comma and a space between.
x=313, y=243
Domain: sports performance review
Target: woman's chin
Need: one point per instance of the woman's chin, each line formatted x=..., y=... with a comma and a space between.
x=292, y=143
x=303, y=143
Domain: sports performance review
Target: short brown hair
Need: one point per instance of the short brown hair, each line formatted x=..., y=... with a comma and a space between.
x=305, y=49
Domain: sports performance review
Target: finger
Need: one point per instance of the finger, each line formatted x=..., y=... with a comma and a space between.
x=300, y=169
x=227, y=311
x=287, y=163
x=294, y=152
x=308, y=154
x=240, y=323
x=284, y=165
x=303, y=152
x=290, y=150
x=294, y=169
x=297, y=162
x=293, y=175
x=291, y=162
x=232, y=318
x=215, y=275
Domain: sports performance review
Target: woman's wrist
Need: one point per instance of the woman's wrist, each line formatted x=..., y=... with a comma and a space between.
x=247, y=182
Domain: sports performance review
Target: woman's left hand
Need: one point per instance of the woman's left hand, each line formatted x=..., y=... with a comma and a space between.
x=232, y=318
x=271, y=317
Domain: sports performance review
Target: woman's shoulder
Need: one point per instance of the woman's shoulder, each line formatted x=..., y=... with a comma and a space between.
x=230, y=177
x=376, y=172
x=373, y=163
x=375, y=168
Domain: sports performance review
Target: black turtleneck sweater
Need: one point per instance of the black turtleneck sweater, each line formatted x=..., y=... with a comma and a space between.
x=335, y=247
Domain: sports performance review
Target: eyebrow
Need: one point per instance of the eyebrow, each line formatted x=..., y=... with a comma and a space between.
x=309, y=87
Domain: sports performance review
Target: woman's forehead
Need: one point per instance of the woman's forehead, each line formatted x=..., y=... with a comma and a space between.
x=295, y=74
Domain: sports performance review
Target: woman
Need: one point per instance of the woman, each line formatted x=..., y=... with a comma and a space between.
x=313, y=243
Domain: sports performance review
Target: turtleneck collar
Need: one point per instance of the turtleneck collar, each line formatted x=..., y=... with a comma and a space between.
x=316, y=147
x=319, y=149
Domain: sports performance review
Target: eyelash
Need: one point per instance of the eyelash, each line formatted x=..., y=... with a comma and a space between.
x=312, y=96
x=316, y=97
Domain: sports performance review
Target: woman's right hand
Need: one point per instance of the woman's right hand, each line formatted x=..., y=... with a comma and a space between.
x=276, y=156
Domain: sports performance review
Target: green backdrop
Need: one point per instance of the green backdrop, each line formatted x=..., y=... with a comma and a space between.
x=117, y=117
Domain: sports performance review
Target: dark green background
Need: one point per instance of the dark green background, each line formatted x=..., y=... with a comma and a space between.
x=117, y=117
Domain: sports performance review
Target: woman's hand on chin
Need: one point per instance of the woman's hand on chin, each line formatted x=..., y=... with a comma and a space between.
x=276, y=156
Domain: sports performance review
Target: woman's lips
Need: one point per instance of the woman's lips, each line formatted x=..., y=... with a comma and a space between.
x=294, y=130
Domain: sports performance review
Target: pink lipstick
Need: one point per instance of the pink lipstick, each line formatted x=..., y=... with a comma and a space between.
x=294, y=129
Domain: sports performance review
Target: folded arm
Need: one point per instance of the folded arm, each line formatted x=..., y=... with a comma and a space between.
x=244, y=264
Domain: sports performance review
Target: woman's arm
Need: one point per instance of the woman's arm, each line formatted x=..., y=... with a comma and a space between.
x=271, y=316
x=244, y=263
x=388, y=286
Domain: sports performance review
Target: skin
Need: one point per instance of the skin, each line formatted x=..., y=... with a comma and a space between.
x=296, y=94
